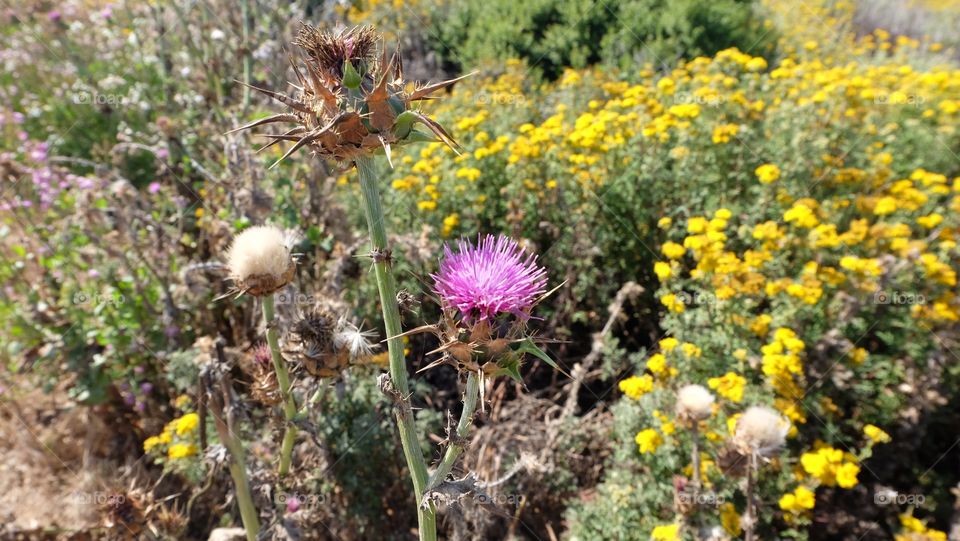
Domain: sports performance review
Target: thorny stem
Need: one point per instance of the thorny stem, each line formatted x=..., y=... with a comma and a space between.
x=391, y=319
x=283, y=380
x=456, y=444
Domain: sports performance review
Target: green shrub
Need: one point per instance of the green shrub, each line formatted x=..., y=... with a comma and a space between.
x=553, y=34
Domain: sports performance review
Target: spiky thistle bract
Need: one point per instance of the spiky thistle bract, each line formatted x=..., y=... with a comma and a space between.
x=350, y=103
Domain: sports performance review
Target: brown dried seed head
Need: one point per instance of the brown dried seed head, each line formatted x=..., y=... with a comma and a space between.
x=329, y=51
x=341, y=118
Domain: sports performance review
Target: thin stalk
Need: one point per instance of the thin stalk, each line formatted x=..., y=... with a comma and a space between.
x=222, y=409
x=457, y=444
x=238, y=470
x=750, y=517
x=695, y=436
x=245, y=25
x=283, y=381
x=387, y=288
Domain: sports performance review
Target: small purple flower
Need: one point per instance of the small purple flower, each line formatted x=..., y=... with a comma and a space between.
x=154, y=187
x=293, y=504
x=146, y=387
x=492, y=278
x=162, y=153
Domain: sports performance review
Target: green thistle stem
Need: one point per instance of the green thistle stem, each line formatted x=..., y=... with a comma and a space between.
x=283, y=381
x=238, y=470
x=391, y=319
x=456, y=445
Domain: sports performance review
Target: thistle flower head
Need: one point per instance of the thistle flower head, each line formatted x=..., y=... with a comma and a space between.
x=694, y=403
x=349, y=103
x=259, y=260
x=494, y=277
x=762, y=431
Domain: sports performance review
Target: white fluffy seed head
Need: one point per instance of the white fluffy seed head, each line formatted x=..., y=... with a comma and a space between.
x=761, y=430
x=694, y=403
x=356, y=341
x=259, y=260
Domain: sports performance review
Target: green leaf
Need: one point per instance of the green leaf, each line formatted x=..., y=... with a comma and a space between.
x=528, y=346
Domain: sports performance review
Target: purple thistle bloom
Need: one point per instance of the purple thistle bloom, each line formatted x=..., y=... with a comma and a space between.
x=494, y=277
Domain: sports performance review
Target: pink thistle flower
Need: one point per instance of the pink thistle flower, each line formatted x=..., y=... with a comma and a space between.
x=488, y=279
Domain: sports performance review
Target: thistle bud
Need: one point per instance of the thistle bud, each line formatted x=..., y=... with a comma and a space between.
x=349, y=104
x=260, y=262
x=761, y=431
x=694, y=403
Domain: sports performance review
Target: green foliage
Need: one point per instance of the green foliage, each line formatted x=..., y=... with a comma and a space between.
x=551, y=35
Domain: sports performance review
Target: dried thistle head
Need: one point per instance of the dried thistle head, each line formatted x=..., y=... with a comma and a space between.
x=264, y=388
x=122, y=513
x=315, y=332
x=326, y=344
x=329, y=52
x=694, y=403
x=351, y=103
x=761, y=431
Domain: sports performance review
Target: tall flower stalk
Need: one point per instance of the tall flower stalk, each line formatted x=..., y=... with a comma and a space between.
x=283, y=382
x=260, y=264
x=349, y=106
x=386, y=285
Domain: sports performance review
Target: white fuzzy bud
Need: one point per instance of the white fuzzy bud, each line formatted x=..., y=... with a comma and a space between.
x=694, y=403
x=761, y=430
x=259, y=260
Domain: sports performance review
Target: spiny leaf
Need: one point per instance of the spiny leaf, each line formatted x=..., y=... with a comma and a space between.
x=528, y=346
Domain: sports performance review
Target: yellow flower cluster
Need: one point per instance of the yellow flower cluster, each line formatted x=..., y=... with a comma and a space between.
x=784, y=370
x=831, y=467
x=802, y=499
x=876, y=434
x=916, y=530
x=648, y=440
x=729, y=386
x=636, y=386
x=666, y=532
x=177, y=437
